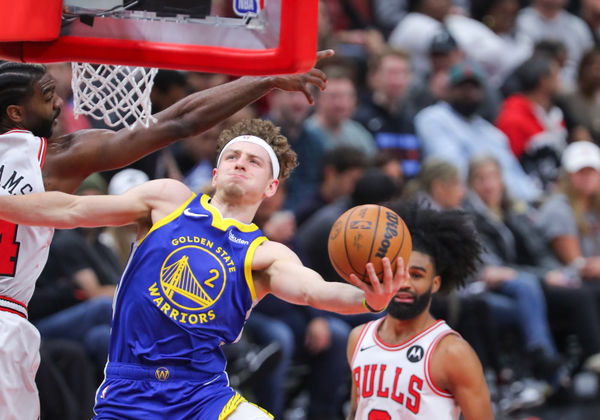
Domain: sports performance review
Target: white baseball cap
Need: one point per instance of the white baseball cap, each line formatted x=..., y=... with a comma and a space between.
x=126, y=179
x=579, y=155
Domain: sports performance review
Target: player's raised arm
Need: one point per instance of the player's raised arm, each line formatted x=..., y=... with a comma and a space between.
x=280, y=272
x=73, y=157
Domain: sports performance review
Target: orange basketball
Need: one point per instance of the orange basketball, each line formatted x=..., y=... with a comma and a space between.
x=365, y=234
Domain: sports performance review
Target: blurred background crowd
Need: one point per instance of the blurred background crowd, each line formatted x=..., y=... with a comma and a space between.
x=492, y=106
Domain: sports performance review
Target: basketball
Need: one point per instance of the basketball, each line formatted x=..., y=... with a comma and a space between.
x=367, y=233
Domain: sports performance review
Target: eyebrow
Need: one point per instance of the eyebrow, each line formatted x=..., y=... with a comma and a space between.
x=418, y=268
x=238, y=151
x=48, y=87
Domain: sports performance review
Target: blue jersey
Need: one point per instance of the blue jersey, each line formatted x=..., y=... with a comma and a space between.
x=186, y=290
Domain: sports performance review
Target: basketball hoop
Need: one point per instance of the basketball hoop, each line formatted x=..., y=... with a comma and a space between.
x=117, y=95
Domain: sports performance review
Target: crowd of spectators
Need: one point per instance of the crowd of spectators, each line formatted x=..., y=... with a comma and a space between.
x=492, y=106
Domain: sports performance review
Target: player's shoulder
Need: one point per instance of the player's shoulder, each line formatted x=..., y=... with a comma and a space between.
x=272, y=250
x=353, y=340
x=453, y=350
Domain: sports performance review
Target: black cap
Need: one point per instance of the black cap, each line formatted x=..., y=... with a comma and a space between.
x=442, y=43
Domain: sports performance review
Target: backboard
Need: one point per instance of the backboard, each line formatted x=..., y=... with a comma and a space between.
x=237, y=37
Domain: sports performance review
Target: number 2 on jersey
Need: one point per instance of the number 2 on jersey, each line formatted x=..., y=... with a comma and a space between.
x=379, y=415
x=9, y=248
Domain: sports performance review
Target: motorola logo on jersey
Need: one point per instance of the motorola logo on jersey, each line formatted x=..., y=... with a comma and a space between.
x=192, y=277
x=415, y=354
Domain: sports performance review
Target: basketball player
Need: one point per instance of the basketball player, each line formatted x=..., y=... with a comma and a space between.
x=408, y=365
x=197, y=269
x=32, y=161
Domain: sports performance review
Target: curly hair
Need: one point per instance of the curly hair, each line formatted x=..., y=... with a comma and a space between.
x=448, y=237
x=270, y=133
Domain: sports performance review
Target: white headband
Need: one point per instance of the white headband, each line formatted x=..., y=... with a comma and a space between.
x=259, y=142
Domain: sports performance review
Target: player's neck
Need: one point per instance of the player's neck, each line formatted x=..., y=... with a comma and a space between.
x=395, y=331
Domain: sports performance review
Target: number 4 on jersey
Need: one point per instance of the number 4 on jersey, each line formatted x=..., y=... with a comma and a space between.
x=9, y=248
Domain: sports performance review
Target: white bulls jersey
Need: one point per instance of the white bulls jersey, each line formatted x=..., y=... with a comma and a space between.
x=394, y=382
x=23, y=249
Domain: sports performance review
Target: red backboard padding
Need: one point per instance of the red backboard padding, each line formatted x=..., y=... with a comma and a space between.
x=296, y=51
x=30, y=20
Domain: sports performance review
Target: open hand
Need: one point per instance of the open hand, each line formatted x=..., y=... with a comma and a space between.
x=379, y=293
x=301, y=82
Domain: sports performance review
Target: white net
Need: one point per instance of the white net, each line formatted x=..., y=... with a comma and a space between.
x=117, y=95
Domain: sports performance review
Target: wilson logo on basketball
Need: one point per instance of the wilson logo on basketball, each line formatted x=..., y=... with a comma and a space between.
x=391, y=231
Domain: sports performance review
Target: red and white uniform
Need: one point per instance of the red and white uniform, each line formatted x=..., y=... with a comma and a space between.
x=23, y=254
x=394, y=382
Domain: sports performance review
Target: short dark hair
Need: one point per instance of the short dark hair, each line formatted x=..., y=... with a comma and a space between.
x=531, y=72
x=343, y=158
x=16, y=83
x=373, y=187
x=448, y=237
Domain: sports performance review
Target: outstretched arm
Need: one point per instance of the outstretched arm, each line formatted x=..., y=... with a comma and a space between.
x=73, y=157
x=65, y=211
x=280, y=272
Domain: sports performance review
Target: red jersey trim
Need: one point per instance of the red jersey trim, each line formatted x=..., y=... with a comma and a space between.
x=13, y=301
x=427, y=365
x=2, y=309
x=361, y=337
x=408, y=342
x=42, y=151
x=13, y=306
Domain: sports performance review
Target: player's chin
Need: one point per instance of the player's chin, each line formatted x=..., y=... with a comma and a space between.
x=234, y=189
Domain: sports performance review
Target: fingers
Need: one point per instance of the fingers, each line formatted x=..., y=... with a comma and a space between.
x=355, y=281
x=375, y=283
x=317, y=78
x=307, y=95
x=324, y=54
x=401, y=274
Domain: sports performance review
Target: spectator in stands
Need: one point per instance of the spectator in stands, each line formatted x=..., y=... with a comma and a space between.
x=438, y=185
x=582, y=106
x=489, y=39
x=416, y=30
x=517, y=260
x=548, y=20
x=289, y=111
x=453, y=130
x=431, y=86
x=340, y=169
x=387, y=113
x=512, y=267
x=590, y=13
x=391, y=167
x=333, y=112
x=535, y=127
x=388, y=13
x=570, y=218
